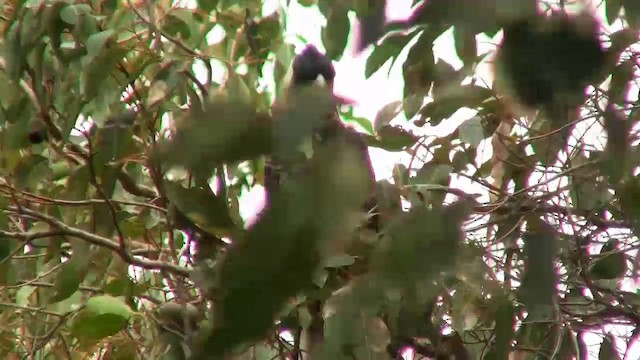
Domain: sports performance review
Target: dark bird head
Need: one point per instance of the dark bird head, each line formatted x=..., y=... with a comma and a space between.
x=309, y=65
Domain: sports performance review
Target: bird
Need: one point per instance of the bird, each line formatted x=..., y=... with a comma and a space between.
x=313, y=68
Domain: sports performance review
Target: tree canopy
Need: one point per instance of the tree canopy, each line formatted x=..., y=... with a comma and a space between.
x=123, y=163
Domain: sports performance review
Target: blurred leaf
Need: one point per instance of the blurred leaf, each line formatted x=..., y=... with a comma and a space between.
x=280, y=252
x=226, y=131
x=548, y=142
x=620, y=78
x=418, y=70
x=420, y=244
x=338, y=261
x=207, y=5
x=504, y=328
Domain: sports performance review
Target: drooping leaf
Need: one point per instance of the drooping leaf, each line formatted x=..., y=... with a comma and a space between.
x=73, y=272
x=371, y=15
x=335, y=34
x=539, y=280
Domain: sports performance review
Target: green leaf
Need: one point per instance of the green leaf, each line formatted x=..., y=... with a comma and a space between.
x=504, y=328
x=418, y=70
x=617, y=150
x=621, y=77
x=97, y=71
x=389, y=48
x=97, y=42
x=336, y=33
x=72, y=13
x=102, y=316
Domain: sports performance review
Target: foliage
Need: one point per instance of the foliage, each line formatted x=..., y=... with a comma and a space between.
x=122, y=170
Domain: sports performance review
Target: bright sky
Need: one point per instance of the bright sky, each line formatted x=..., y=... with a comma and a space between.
x=385, y=86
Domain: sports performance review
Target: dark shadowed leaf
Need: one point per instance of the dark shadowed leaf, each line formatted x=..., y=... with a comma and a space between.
x=612, y=10
x=504, y=328
x=620, y=82
x=616, y=165
x=632, y=12
x=608, y=349
x=611, y=263
x=465, y=43
x=201, y=206
x=418, y=70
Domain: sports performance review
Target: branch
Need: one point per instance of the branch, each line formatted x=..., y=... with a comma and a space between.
x=100, y=241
